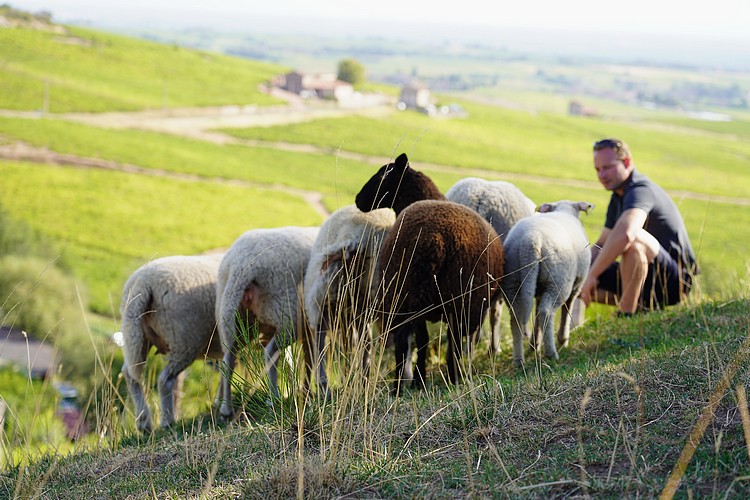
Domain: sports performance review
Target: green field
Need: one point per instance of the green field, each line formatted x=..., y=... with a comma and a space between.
x=108, y=223
x=85, y=70
x=325, y=174
x=549, y=145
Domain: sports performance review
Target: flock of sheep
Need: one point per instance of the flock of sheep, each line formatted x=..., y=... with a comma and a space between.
x=451, y=258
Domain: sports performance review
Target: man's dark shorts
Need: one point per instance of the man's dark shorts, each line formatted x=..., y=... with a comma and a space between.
x=665, y=284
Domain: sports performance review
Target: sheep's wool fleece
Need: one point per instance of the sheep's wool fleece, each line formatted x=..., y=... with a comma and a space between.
x=499, y=202
x=275, y=261
x=350, y=224
x=555, y=238
x=437, y=250
x=347, y=229
x=179, y=294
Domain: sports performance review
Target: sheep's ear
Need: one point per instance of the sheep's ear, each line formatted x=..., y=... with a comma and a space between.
x=585, y=206
x=402, y=162
x=547, y=207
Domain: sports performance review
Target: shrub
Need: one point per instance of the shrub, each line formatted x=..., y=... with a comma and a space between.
x=37, y=297
x=17, y=237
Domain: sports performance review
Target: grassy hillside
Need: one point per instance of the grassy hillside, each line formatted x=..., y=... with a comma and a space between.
x=615, y=418
x=75, y=69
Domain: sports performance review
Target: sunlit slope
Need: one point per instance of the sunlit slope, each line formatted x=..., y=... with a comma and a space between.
x=544, y=144
x=68, y=69
x=105, y=224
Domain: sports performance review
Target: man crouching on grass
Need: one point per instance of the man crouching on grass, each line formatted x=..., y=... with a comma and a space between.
x=645, y=230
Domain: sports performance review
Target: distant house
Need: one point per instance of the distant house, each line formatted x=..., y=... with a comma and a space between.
x=323, y=85
x=415, y=96
x=576, y=108
x=35, y=357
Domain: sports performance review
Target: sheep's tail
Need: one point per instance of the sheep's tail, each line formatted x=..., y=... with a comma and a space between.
x=227, y=305
x=529, y=277
x=136, y=303
x=522, y=303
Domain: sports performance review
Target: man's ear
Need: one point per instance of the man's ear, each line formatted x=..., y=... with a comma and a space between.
x=626, y=161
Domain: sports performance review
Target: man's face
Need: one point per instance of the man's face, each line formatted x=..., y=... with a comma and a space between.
x=612, y=171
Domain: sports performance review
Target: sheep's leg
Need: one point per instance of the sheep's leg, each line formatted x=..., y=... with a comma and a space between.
x=578, y=314
x=546, y=321
x=305, y=337
x=313, y=344
x=226, y=409
x=453, y=357
x=496, y=313
x=142, y=413
x=519, y=326
x=168, y=378
x=563, y=332
x=177, y=393
x=366, y=341
x=403, y=355
x=320, y=362
x=422, y=341
x=271, y=355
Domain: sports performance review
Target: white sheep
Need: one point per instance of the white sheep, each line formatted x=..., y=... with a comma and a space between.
x=340, y=278
x=168, y=303
x=501, y=204
x=547, y=258
x=260, y=279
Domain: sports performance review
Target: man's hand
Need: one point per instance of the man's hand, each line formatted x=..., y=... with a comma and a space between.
x=588, y=291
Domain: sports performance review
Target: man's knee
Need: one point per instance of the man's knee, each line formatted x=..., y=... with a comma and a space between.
x=647, y=245
x=638, y=254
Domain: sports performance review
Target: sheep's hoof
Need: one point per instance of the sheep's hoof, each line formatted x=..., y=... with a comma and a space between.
x=144, y=425
x=226, y=412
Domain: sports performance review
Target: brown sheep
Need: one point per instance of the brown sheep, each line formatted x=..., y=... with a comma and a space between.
x=439, y=261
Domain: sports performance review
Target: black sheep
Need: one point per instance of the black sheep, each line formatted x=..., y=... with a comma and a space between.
x=439, y=261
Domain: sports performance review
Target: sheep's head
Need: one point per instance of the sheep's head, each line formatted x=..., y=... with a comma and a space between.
x=396, y=186
x=571, y=207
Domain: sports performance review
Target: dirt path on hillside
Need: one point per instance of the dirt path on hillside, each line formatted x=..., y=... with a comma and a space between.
x=23, y=152
x=200, y=124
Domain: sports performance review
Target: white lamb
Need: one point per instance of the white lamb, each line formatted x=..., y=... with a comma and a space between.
x=547, y=258
x=168, y=303
x=339, y=280
x=501, y=204
x=260, y=279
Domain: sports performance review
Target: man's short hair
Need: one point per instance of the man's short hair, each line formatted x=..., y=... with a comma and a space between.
x=619, y=147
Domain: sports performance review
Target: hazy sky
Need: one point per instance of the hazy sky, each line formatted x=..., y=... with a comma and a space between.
x=714, y=19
